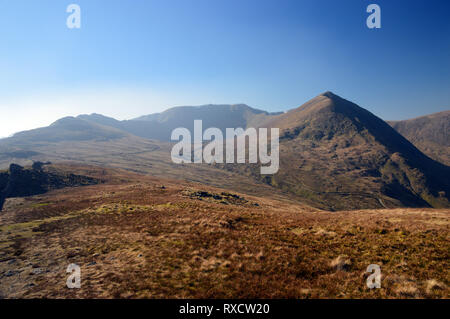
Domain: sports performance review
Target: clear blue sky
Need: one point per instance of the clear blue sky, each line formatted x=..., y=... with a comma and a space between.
x=138, y=57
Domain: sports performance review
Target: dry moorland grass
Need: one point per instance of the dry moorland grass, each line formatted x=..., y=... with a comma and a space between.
x=144, y=237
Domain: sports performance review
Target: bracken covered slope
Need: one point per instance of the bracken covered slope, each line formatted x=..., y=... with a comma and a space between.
x=143, y=237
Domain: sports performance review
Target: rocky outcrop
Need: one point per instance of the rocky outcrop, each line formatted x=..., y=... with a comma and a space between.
x=19, y=181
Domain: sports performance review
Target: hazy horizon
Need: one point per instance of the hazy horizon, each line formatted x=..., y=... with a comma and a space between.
x=129, y=60
x=162, y=109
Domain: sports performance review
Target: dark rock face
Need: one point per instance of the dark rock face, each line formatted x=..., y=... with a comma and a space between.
x=2, y=201
x=24, y=182
x=38, y=166
x=20, y=182
x=4, y=178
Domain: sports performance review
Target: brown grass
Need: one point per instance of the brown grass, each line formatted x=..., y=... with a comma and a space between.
x=144, y=237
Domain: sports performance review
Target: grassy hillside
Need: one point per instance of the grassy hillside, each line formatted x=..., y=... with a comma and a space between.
x=144, y=237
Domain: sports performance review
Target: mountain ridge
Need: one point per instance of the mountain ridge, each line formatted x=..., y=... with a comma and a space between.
x=160, y=125
x=333, y=153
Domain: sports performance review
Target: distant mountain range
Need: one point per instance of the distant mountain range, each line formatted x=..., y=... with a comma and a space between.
x=333, y=153
x=160, y=125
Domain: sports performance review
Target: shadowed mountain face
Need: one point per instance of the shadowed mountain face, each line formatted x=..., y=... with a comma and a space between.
x=430, y=134
x=333, y=154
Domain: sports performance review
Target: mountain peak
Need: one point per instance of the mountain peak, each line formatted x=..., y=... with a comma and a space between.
x=329, y=94
x=332, y=96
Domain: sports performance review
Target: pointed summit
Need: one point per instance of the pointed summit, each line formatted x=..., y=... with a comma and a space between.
x=326, y=107
x=335, y=98
x=329, y=94
x=333, y=141
x=329, y=116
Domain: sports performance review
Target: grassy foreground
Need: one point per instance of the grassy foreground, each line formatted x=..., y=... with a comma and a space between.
x=144, y=237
